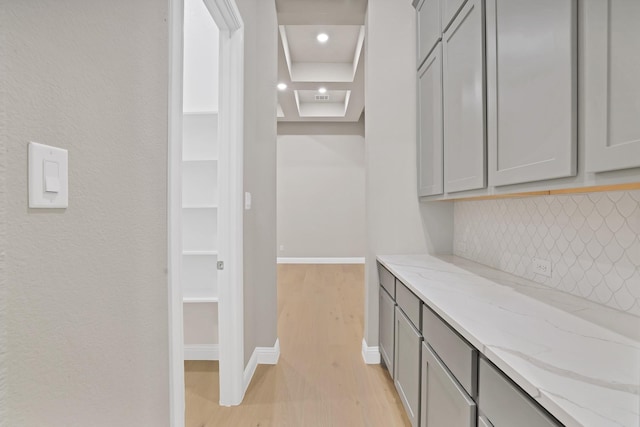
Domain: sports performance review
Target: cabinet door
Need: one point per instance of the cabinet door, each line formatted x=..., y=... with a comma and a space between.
x=611, y=84
x=531, y=90
x=429, y=29
x=444, y=402
x=387, y=326
x=464, y=100
x=449, y=10
x=407, y=366
x=430, y=142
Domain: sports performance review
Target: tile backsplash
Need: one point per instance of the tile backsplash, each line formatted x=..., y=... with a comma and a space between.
x=592, y=241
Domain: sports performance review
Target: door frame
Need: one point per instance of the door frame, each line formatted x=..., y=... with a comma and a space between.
x=230, y=142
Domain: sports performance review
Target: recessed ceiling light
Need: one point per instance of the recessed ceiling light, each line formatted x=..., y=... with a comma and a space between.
x=282, y=86
x=323, y=37
x=322, y=90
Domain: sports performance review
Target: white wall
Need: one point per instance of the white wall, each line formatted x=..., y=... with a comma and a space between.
x=395, y=223
x=260, y=101
x=321, y=189
x=201, y=37
x=87, y=302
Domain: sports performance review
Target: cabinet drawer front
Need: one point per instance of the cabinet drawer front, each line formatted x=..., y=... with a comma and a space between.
x=407, y=365
x=387, y=324
x=444, y=401
x=460, y=357
x=408, y=303
x=387, y=280
x=429, y=30
x=505, y=404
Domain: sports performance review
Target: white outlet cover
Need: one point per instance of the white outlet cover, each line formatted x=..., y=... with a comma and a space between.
x=48, y=176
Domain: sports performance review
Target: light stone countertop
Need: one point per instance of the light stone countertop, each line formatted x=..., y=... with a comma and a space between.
x=578, y=359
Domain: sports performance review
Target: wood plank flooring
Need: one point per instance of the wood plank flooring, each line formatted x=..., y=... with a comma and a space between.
x=320, y=379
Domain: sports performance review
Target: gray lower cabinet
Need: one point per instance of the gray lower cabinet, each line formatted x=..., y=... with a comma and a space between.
x=444, y=402
x=464, y=94
x=611, y=85
x=387, y=325
x=532, y=90
x=505, y=405
x=407, y=365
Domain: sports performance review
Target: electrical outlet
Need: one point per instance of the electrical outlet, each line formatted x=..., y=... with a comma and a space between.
x=282, y=247
x=542, y=266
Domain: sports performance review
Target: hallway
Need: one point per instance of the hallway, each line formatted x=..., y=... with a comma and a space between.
x=320, y=379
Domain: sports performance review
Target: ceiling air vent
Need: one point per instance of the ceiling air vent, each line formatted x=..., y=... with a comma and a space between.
x=322, y=97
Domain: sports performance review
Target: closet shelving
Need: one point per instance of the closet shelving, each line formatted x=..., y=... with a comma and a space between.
x=200, y=207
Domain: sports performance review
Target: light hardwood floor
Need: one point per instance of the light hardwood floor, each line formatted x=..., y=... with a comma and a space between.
x=320, y=379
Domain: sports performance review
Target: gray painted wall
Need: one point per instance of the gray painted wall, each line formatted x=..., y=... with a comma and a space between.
x=395, y=223
x=87, y=286
x=321, y=196
x=260, y=62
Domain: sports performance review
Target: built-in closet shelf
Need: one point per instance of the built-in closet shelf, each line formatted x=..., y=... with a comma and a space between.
x=200, y=253
x=194, y=113
x=200, y=300
x=200, y=160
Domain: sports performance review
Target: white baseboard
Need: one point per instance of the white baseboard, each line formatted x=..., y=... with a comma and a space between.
x=202, y=352
x=371, y=355
x=260, y=356
x=352, y=260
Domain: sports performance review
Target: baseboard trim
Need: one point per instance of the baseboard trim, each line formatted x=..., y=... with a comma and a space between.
x=352, y=260
x=202, y=352
x=260, y=356
x=370, y=355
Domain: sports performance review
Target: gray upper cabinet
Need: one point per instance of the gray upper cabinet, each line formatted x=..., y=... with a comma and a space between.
x=449, y=10
x=430, y=136
x=532, y=90
x=444, y=401
x=407, y=365
x=464, y=100
x=429, y=29
x=611, y=84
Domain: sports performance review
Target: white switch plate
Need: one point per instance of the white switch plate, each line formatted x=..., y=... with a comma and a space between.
x=50, y=189
x=542, y=266
x=247, y=200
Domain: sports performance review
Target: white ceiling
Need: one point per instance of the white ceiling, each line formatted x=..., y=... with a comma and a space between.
x=305, y=65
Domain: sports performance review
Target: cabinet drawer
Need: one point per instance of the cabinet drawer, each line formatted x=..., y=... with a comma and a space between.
x=505, y=404
x=429, y=30
x=408, y=303
x=387, y=280
x=460, y=357
x=444, y=401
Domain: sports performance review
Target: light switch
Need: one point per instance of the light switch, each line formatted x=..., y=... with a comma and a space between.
x=247, y=201
x=48, y=177
x=51, y=177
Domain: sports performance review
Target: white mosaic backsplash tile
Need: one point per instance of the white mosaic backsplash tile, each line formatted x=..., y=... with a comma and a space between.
x=592, y=241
